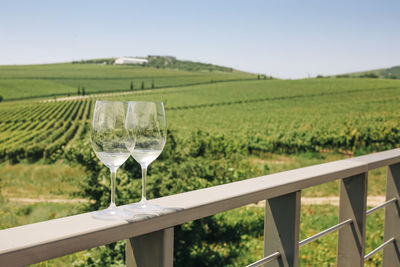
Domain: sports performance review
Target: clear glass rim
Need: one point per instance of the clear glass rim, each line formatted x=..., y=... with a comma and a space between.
x=130, y=101
x=111, y=101
x=156, y=102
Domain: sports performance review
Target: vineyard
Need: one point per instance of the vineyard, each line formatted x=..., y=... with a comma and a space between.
x=350, y=115
x=34, y=131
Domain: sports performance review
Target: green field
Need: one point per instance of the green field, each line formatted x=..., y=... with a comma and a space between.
x=218, y=133
x=28, y=81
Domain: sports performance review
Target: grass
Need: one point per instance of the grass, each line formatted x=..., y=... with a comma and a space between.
x=15, y=214
x=39, y=180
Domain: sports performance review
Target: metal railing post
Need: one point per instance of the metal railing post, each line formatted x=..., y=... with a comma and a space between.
x=353, y=204
x=281, y=229
x=391, y=254
x=151, y=250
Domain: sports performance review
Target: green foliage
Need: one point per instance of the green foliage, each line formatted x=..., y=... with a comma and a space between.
x=107, y=61
x=142, y=86
x=368, y=75
x=162, y=62
x=111, y=255
x=131, y=87
x=1, y=98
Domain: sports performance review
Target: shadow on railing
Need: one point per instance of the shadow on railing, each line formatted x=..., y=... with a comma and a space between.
x=150, y=240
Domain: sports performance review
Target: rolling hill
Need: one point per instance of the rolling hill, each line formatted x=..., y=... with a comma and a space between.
x=93, y=76
x=388, y=73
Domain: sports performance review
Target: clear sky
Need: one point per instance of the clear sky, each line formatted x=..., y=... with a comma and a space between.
x=288, y=39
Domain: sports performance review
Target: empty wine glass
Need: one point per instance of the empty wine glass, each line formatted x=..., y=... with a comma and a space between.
x=109, y=139
x=146, y=121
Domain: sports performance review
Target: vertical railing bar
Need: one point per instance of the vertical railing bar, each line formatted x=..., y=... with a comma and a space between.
x=372, y=253
x=353, y=205
x=265, y=260
x=281, y=229
x=381, y=206
x=391, y=254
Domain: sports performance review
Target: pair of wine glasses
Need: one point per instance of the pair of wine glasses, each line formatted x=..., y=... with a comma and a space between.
x=119, y=130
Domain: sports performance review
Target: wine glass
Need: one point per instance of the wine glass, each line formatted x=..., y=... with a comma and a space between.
x=109, y=139
x=146, y=121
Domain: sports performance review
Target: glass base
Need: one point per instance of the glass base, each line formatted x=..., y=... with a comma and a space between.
x=144, y=208
x=112, y=213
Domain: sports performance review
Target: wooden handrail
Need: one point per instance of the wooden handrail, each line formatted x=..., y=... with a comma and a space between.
x=54, y=238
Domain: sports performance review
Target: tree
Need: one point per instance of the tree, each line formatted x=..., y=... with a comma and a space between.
x=258, y=77
x=131, y=86
x=369, y=75
x=79, y=90
x=142, y=85
x=152, y=84
x=83, y=91
x=1, y=98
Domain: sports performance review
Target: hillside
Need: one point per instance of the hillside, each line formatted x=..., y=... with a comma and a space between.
x=164, y=62
x=92, y=76
x=388, y=73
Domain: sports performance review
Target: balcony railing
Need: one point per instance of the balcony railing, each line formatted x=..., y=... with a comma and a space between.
x=150, y=240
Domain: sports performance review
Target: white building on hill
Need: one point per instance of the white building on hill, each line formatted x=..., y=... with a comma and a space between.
x=129, y=60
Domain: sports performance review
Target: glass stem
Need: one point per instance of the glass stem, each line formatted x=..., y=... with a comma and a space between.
x=113, y=181
x=144, y=175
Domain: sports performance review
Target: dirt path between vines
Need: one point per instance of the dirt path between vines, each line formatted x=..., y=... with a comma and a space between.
x=371, y=200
